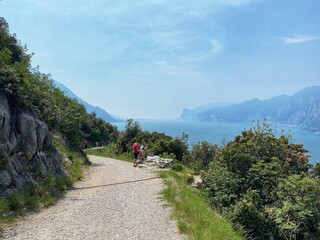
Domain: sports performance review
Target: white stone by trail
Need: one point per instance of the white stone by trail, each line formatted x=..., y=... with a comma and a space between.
x=99, y=208
x=155, y=162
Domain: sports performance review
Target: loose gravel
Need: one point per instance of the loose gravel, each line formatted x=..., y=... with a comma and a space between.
x=100, y=208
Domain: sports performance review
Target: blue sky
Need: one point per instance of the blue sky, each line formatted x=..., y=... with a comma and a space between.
x=152, y=58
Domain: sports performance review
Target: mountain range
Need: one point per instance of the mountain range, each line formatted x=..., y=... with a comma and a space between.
x=301, y=109
x=101, y=113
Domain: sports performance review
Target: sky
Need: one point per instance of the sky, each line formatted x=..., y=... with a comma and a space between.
x=149, y=59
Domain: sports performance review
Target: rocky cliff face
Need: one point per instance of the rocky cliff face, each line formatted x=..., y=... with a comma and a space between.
x=25, y=149
x=302, y=109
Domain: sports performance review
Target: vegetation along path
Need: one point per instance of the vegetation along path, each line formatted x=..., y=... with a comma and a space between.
x=99, y=208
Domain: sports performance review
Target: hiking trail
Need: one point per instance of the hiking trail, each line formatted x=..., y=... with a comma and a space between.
x=113, y=201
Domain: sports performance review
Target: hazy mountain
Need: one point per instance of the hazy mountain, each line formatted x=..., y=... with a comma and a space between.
x=101, y=113
x=193, y=114
x=302, y=109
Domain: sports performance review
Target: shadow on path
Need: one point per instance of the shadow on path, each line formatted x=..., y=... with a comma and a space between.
x=112, y=184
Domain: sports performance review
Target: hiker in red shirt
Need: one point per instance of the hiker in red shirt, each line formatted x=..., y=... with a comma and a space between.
x=135, y=150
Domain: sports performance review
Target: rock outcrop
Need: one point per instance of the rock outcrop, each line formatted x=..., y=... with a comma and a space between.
x=155, y=162
x=25, y=149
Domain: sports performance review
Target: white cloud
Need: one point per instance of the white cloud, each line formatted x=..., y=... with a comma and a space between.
x=216, y=46
x=299, y=39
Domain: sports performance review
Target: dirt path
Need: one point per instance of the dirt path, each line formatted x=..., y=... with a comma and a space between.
x=96, y=209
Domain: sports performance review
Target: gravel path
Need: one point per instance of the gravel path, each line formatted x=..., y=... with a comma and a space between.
x=97, y=210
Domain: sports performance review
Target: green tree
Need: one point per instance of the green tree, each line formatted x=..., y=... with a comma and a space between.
x=97, y=130
x=316, y=170
x=128, y=136
x=200, y=156
x=71, y=120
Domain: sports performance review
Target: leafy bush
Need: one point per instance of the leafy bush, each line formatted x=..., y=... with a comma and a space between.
x=16, y=201
x=262, y=182
x=168, y=155
x=128, y=136
x=200, y=156
x=4, y=206
x=78, y=158
x=316, y=170
x=70, y=122
x=177, y=167
x=297, y=211
x=97, y=130
x=49, y=189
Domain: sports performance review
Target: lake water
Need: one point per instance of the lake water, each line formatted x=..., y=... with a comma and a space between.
x=217, y=132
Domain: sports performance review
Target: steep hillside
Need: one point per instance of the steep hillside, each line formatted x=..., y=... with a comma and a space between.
x=32, y=110
x=101, y=113
x=302, y=109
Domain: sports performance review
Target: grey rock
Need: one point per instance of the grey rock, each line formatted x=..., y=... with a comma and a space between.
x=153, y=162
x=26, y=142
x=197, y=181
x=5, y=179
x=4, y=123
x=33, y=132
x=22, y=179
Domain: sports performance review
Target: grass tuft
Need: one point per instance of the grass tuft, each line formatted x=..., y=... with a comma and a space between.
x=177, y=167
x=4, y=206
x=192, y=212
x=16, y=201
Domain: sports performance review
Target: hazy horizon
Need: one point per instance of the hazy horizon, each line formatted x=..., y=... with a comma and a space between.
x=150, y=59
x=222, y=104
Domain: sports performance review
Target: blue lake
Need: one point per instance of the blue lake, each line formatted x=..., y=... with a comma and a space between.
x=217, y=132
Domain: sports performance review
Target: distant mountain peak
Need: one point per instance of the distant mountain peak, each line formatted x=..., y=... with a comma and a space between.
x=301, y=109
x=313, y=90
x=101, y=113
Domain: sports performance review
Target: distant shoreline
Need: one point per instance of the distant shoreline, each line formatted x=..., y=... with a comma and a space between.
x=218, y=132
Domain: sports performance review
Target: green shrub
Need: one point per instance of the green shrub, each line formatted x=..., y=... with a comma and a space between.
x=49, y=189
x=168, y=155
x=4, y=207
x=177, y=167
x=316, y=170
x=128, y=136
x=16, y=201
x=200, y=156
x=297, y=211
x=32, y=198
x=251, y=181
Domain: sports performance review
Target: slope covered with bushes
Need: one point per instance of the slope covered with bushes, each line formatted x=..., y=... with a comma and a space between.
x=265, y=185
